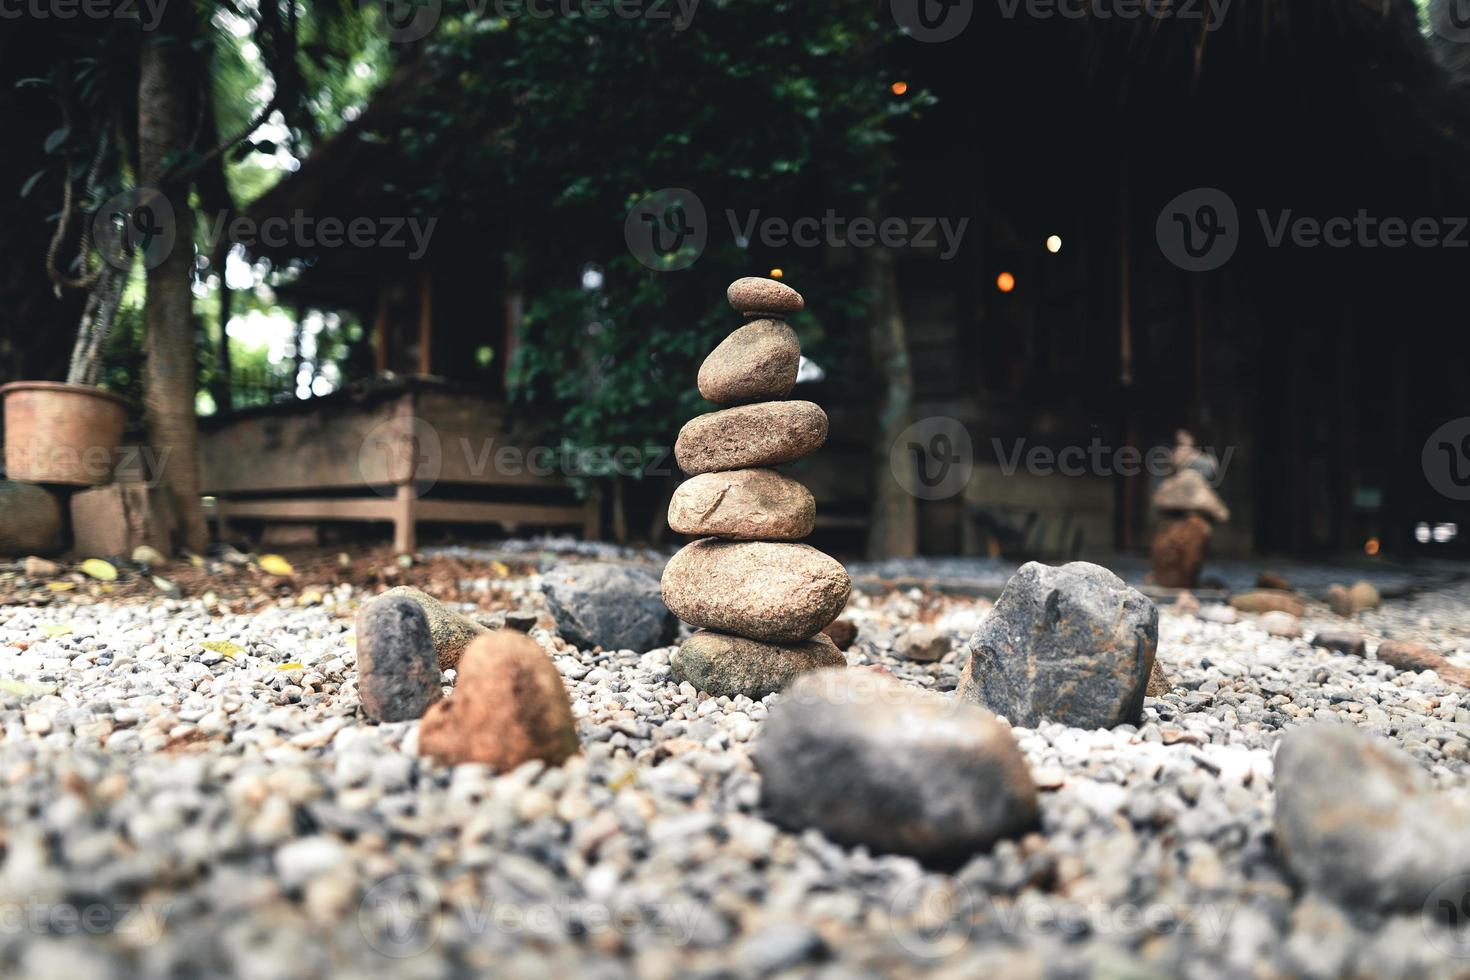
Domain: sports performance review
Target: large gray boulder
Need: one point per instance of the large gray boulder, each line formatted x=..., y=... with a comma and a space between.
x=616, y=607
x=1360, y=821
x=869, y=760
x=1073, y=644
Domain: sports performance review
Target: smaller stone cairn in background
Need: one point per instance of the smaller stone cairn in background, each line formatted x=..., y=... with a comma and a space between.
x=1188, y=512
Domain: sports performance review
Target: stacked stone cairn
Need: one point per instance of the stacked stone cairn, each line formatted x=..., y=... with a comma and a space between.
x=1188, y=511
x=758, y=596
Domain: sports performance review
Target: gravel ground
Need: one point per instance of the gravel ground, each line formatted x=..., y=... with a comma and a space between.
x=171, y=810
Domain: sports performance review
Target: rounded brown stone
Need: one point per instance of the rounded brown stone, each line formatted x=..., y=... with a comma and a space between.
x=749, y=505
x=749, y=436
x=778, y=593
x=725, y=666
x=509, y=706
x=755, y=295
x=756, y=363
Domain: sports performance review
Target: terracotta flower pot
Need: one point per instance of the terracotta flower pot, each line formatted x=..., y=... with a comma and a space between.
x=61, y=433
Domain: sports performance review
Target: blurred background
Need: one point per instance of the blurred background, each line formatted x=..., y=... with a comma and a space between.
x=429, y=215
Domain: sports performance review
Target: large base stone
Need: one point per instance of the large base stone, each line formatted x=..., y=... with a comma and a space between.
x=726, y=666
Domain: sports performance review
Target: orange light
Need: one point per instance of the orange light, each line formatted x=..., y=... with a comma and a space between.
x=899, y=88
x=777, y=273
x=1372, y=546
x=1005, y=282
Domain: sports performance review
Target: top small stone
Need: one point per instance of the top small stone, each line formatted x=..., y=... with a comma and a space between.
x=755, y=296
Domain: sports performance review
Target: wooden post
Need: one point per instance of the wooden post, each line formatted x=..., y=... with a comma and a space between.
x=426, y=320
x=405, y=537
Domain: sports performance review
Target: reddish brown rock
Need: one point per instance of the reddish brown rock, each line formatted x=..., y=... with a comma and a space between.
x=842, y=632
x=1274, y=581
x=1263, y=600
x=756, y=363
x=1417, y=657
x=778, y=593
x=509, y=706
x=750, y=436
x=755, y=295
x=1178, y=551
x=749, y=505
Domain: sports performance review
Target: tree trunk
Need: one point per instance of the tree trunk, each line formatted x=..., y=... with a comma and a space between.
x=169, y=374
x=894, y=527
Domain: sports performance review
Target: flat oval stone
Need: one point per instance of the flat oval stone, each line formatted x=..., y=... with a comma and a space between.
x=756, y=363
x=778, y=593
x=749, y=505
x=756, y=295
x=748, y=436
x=724, y=666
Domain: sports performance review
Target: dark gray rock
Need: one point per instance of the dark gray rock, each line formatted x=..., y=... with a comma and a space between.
x=616, y=607
x=869, y=760
x=1342, y=641
x=31, y=521
x=1358, y=819
x=397, y=666
x=1072, y=644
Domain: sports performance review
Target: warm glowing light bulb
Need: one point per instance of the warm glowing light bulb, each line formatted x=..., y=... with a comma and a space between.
x=1005, y=282
x=899, y=88
x=1054, y=244
x=777, y=273
x=1371, y=547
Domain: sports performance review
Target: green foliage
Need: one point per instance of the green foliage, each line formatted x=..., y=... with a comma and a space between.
x=555, y=127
